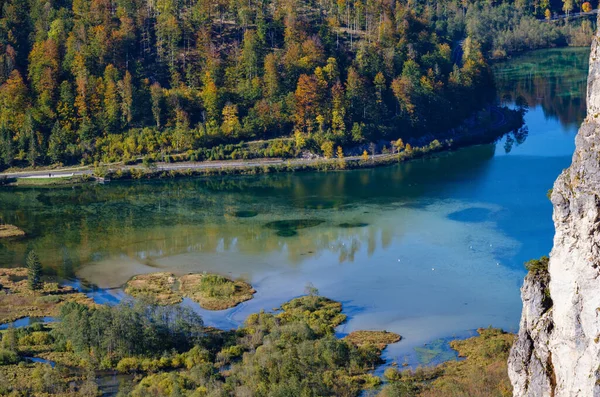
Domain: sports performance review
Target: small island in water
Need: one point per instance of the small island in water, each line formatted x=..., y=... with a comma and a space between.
x=210, y=291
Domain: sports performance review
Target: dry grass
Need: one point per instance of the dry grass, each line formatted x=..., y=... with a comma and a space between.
x=10, y=231
x=379, y=339
x=159, y=287
x=18, y=301
x=214, y=292
x=210, y=291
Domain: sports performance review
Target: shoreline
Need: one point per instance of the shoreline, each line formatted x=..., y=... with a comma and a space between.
x=510, y=120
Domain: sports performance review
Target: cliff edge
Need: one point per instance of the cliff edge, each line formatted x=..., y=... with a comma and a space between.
x=557, y=351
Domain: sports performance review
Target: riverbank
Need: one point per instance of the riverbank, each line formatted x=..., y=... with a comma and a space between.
x=500, y=122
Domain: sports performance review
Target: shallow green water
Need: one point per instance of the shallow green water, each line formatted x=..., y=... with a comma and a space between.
x=427, y=249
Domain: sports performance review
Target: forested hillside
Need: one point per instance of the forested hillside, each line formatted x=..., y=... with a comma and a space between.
x=102, y=80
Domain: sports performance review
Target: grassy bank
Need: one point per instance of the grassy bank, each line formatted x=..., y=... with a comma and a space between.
x=17, y=300
x=55, y=181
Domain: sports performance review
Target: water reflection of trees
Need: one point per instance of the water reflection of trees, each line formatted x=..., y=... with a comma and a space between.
x=553, y=79
x=154, y=219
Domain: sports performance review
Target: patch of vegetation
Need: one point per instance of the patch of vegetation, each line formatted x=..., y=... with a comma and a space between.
x=159, y=287
x=483, y=372
x=321, y=314
x=211, y=291
x=379, y=339
x=54, y=181
x=18, y=300
x=292, y=353
x=287, y=233
x=37, y=379
x=245, y=214
x=104, y=335
x=436, y=351
x=215, y=292
x=349, y=225
x=7, y=231
x=538, y=266
x=293, y=224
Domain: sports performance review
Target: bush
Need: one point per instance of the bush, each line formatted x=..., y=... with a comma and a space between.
x=128, y=365
x=8, y=357
x=538, y=266
x=36, y=338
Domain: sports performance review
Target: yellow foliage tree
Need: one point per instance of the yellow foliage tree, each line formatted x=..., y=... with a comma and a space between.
x=327, y=148
x=299, y=139
x=340, y=156
x=231, y=122
x=365, y=155
x=586, y=7
x=399, y=144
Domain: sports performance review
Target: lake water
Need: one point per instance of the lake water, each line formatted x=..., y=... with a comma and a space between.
x=429, y=249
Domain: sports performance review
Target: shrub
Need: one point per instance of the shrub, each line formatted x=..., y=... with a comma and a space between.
x=538, y=266
x=36, y=338
x=128, y=365
x=8, y=357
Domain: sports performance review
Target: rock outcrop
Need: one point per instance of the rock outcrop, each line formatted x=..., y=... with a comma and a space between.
x=557, y=352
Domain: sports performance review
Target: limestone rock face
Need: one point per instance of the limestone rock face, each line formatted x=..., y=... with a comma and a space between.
x=557, y=352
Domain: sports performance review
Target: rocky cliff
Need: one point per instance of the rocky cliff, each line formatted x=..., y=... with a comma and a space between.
x=557, y=352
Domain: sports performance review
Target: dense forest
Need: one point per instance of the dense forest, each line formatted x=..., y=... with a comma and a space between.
x=88, y=81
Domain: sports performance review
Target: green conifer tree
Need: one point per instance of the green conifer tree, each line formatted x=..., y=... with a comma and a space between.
x=34, y=271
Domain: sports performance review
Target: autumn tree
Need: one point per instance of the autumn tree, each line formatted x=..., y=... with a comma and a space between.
x=567, y=6
x=210, y=98
x=112, y=111
x=43, y=74
x=231, y=123
x=14, y=101
x=271, y=76
x=338, y=111
x=327, y=148
x=586, y=7
x=308, y=101
x=398, y=144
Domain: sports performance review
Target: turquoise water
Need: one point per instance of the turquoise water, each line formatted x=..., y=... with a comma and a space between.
x=429, y=249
